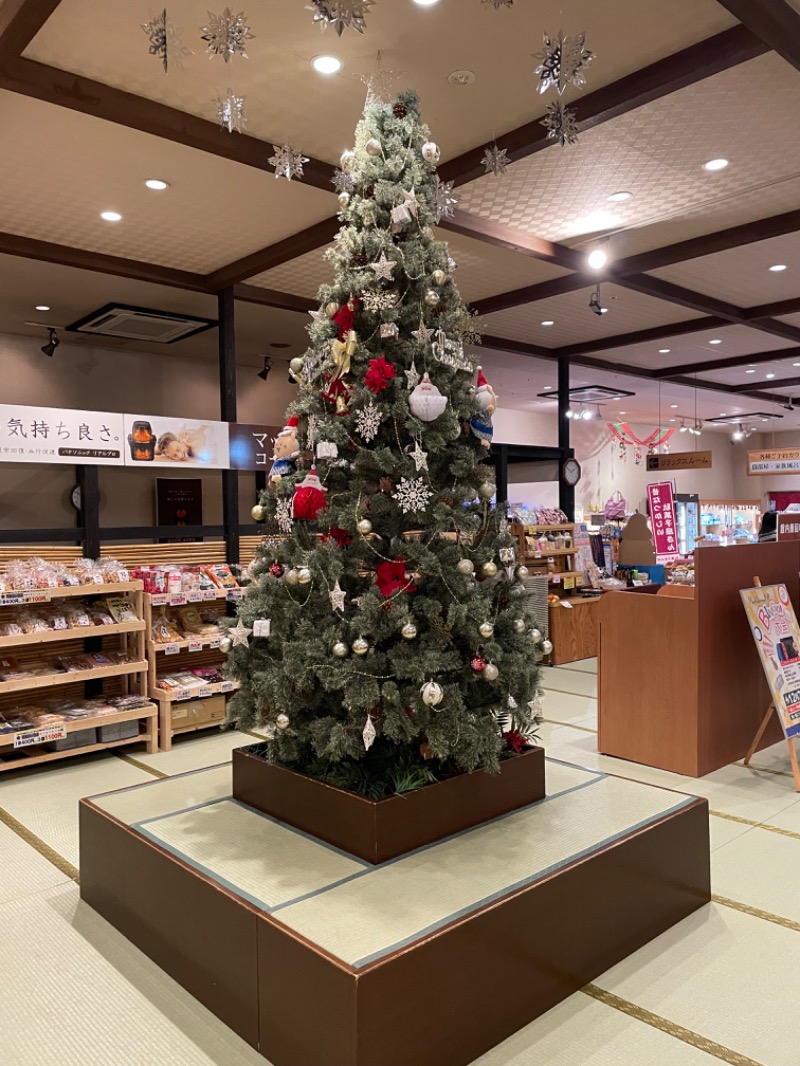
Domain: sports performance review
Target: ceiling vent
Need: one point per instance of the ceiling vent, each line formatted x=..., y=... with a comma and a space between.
x=140, y=324
x=590, y=394
x=734, y=420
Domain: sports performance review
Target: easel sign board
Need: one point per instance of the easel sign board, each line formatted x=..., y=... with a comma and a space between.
x=777, y=636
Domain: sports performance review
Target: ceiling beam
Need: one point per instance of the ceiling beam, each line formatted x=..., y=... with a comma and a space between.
x=787, y=383
x=89, y=97
x=502, y=236
x=702, y=60
x=298, y=244
x=283, y=301
x=529, y=294
x=775, y=22
x=773, y=310
x=644, y=336
x=731, y=361
x=20, y=21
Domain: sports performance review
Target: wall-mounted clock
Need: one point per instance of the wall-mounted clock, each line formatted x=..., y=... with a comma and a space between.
x=571, y=472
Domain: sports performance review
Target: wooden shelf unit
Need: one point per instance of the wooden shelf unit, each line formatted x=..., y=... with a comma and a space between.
x=33, y=756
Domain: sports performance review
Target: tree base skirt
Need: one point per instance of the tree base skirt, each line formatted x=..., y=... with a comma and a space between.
x=378, y=830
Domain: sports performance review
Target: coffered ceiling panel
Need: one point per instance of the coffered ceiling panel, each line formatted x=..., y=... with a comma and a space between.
x=575, y=323
x=60, y=169
x=759, y=375
x=742, y=276
x=286, y=100
x=697, y=348
x=655, y=152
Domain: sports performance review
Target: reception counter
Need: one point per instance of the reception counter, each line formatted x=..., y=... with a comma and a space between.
x=680, y=682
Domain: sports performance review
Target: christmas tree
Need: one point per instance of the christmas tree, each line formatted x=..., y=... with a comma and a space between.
x=398, y=651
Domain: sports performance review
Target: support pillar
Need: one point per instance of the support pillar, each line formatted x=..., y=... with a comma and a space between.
x=566, y=493
x=227, y=402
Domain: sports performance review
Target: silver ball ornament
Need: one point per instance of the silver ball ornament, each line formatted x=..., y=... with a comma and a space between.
x=486, y=629
x=259, y=513
x=431, y=152
x=547, y=647
x=432, y=297
x=522, y=573
x=409, y=631
x=519, y=625
x=282, y=721
x=465, y=567
x=292, y=577
x=296, y=366
x=536, y=636
x=486, y=490
x=489, y=569
x=360, y=646
x=364, y=527
x=303, y=575
x=439, y=277
x=347, y=159
x=490, y=672
x=373, y=146
x=225, y=644
x=344, y=199
x=432, y=693
x=340, y=650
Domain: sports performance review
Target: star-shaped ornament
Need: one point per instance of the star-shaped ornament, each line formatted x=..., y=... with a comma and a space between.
x=420, y=457
x=412, y=377
x=337, y=597
x=422, y=335
x=384, y=268
x=239, y=635
x=411, y=201
x=318, y=315
x=380, y=83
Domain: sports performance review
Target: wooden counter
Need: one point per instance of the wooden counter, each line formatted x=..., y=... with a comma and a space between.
x=573, y=630
x=680, y=682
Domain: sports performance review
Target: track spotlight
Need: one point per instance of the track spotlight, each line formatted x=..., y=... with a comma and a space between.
x=52, y=343
x=264, y=372
x=683, y=427
x=738, y=434
x=696, y=429
x=594, y=303
x=789, y=406
x=597, y=258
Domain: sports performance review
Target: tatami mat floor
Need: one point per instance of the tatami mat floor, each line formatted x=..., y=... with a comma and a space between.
x=716, y=988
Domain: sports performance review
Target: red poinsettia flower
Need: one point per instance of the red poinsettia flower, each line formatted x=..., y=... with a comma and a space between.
x=515, y=740
x=341, y=536
x=379, y=375
x=391, y=578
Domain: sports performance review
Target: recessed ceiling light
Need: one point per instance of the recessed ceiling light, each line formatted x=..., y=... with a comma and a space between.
x=111, y=216
x=664, y=351
x=715, y=342
x=547, y=388
x=326, y=64
x=723, y=414
x=597, y=259
x=778, y=267
x=753, y=371
x=548, y=322
x=673, y=406
x=42, y=307
x=619, y=197
x=623, y=412
x=156, y=183
x=603, y=310
x=673, y=420
x=793, y=364
x=425, y=3
x=770, y=375
x=715, y=164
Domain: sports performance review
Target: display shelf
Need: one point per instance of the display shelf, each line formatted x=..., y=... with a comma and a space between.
x=33, y=596
x=564, y=527
x=221, y=688
x=68, y=677
x=163, y=599
x=545, y=553
x=74, y=633
x=176, y=646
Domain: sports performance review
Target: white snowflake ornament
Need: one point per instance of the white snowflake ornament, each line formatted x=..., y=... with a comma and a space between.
x=495, y=160
x=288, y=161
x=368, y=421
x=226, y=35
x=283, y=515
x=413, y=495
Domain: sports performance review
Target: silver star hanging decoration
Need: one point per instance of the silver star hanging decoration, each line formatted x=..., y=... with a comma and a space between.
x=283, y=515
x=166, y=42
x=288, y=161
x=420, y=457
x=495, y=160
x=340, y=14
x=239, y=635
x=342, y=181
x=412, y=377
x=369, y=734
x=230, y=111
x=444, y=201
x=561, y=124
x=384, y=268
x=318, y=315
x=226, y=35
x=422, y=335
x=337, y=597
x=380, y=83
x=563, y=61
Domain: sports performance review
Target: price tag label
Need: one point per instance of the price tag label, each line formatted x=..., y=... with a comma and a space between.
x=195, y=597
x=195, y=645
x=569, y=582
x=235, y=594
x=226, y=686
x=208, y=594
x=566, y=603
x=182, y=694
x=158, y=599
x=29, y=737
x=556, y=579
x=172, y=649
x=214, y=642
x=10, y=599
x=177, y=601
x=204, y=693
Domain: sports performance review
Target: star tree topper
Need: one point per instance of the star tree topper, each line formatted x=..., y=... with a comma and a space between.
x=380, y=83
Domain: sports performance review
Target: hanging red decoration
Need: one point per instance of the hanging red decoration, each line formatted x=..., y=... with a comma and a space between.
x=391, y=578
x=346, y=316
x=341, y=536
x=379, y=375
x=623, y=433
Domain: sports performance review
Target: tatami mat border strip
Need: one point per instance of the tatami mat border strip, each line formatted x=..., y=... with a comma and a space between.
x=131, y=761
x=756, y=825
x=39, y=845
x=756, y=912
x=687, y=1036
x=569, y=725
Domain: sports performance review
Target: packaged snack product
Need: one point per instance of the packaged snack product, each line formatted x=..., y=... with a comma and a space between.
x=114, y=571
x=221, y=575
x=76, y=613
x=165, y=631
x=121, y=609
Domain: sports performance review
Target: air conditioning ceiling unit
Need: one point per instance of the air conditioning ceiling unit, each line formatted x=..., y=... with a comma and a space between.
x=140, y=324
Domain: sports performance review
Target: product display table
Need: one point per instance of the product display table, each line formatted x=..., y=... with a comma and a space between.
x=433, y=957
x=573, y=630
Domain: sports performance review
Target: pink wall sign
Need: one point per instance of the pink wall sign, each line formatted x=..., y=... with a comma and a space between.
x=662, y=520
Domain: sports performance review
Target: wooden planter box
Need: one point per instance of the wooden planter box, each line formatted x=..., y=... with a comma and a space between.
x=383, y=829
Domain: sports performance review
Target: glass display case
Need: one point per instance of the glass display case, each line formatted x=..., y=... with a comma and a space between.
x=687, y=512
x=728, y=522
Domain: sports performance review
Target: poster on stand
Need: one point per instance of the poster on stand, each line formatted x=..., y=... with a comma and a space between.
x=252, y=446
x=179, y=502
x=774, y=627
x=663, y=521
x=56, y=435
x=175, y=442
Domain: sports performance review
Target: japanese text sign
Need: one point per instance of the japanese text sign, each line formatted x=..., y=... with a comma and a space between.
x=252, y=446
x=788, y=525
x=775, y=631
x=662, y=520
x=680, y=461
x=53, y=435
x=774, y=461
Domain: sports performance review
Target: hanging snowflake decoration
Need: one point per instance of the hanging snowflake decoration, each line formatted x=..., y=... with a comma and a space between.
x=165, y=42
x=311, y=436
x=497, y=4
x=378, y=301
x=283, y=515
x=342, y=181
x=413, y=495
x=226, y=35
x=468, y=329
x=563, y=61
x=341, y=14
x=561, y=124
x=495, y=160
x=230, y=111
x=288, y=161
x=444, y=202
x=368, y=421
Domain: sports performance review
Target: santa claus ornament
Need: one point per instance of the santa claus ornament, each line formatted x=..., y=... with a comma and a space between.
x=426, y=402
x=309, y=498
x=481, y=421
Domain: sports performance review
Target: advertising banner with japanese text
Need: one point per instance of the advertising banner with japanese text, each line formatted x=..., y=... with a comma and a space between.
x=172, y=441
x=777, y=636
x=252, y=446
x=663, y=521
x=773, y=461
x=54, y=435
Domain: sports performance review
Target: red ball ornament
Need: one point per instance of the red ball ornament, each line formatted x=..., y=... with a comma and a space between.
x=276, y=570
x=478, y=663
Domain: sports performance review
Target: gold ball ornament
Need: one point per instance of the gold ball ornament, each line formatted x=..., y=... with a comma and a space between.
x=439, y=277
x=489, y=569
x=486, y=490
x=432, y=693
x=303, y=575
x=360, y=646
x=259, y=513
x=282, y=721
x=432, y=297
x=431, y=153
x=547, y=647
x=486, y=629
x=364, y=527
x=536, y=636
x=465, y=567
x=340, y=650
x=331, y=308
x=347, y=159
x=292, y=577
x=225, y=644
x=296, y=366
x=490, y=672
x=373, y=146
x=409, y=631
x=522, y=573
x=519, y=625
x=344, y=199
